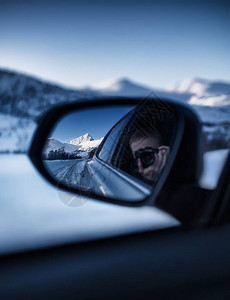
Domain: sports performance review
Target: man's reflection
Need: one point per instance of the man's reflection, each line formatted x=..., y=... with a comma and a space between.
x=149, y=154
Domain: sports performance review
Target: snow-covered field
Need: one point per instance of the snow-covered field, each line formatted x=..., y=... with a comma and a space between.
x=33, y=213
x=15, y=133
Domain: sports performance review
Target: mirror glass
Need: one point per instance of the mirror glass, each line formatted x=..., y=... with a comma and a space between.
x=117, y=151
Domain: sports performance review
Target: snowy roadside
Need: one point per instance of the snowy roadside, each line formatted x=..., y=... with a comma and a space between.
x=33, y=215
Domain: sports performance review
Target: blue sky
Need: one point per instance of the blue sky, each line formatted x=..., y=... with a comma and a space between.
x=78, y=43
x=97, y=122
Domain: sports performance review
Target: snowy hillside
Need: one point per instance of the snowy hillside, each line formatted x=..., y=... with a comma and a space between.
x=26, y=96
x=78, y=147
x=23, y=98
x=85, y=142
x=53, y=145
x=211, y=101
x=15, y=133
x=200, y=87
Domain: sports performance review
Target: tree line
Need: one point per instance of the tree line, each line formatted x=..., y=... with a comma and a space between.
x=62, y=155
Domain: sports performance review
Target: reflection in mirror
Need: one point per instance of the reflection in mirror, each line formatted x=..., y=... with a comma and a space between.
x=124, y=162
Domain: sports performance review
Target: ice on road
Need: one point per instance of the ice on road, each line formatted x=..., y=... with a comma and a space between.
x=73, y=173
x=68, y=172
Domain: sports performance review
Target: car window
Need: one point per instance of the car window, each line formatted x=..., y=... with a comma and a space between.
x=110, y=147
x=140, y=123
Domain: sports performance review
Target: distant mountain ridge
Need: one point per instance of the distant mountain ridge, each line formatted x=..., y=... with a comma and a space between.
x=197, y=91
x=81, y=140
x=23, y=98
x=85, y=142
x=200, y=87
x=121, y=87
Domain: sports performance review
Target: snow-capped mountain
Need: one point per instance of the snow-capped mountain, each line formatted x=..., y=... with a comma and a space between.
x=211, y=101
x=81, y=140
x=121, y=87
x=203, y=92
x=200, y=87
x=73, y=148
x=85, y=142
x=128, y=88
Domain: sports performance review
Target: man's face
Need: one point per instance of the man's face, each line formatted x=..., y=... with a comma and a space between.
x=144, y=142
x=151, y=172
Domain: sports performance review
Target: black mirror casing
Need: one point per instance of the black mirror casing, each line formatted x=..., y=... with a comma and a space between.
x=186, y=160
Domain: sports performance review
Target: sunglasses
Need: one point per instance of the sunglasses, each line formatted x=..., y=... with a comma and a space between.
x=146, y=155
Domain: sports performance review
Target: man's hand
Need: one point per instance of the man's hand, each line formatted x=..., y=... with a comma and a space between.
x=153, y=171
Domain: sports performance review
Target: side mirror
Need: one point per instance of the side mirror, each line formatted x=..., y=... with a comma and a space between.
x=119, y=150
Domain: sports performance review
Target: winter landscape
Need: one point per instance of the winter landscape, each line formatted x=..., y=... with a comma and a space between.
x=67, y=162
x=41, y=214
x=24, y=98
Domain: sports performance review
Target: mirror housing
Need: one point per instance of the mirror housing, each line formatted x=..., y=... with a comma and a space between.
x=183, y=168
